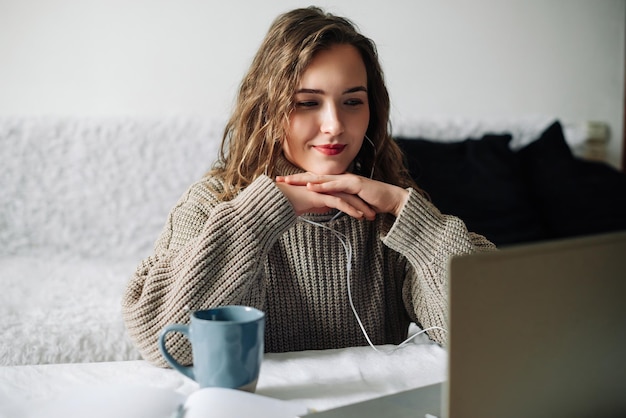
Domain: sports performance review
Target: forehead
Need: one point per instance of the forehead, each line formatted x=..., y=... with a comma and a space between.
x=341, y=65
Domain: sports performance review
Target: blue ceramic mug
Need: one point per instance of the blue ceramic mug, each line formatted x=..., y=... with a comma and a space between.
x=227, y=346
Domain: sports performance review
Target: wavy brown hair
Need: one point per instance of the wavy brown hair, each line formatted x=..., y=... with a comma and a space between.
x=254, y=135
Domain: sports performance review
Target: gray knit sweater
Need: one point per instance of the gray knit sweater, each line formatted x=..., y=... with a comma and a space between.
x=254, y=250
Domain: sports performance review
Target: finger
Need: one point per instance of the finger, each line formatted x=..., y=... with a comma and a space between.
x=359, y=204
x=333, y=186
x=339, y=184
x=338, y=203
x=350, y=204
x=302, y=179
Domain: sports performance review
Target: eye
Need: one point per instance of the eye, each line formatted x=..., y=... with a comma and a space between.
x=306, y=104
x=353, y=102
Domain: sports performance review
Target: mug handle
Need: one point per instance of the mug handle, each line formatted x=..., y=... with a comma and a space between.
x=183, y=329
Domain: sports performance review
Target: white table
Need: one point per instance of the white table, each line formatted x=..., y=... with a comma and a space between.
x=319, y=379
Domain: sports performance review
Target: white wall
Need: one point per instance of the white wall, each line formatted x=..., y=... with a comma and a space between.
x=474, y=59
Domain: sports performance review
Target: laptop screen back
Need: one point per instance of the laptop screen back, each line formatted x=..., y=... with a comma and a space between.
x=539, y=331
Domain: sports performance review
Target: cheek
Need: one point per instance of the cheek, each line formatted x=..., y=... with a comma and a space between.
x=301, y=129
x=293, y=142
x=301, y=126
x=366, y=120
x=358, y=125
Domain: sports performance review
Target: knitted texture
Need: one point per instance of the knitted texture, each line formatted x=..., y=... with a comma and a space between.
x=255, y=251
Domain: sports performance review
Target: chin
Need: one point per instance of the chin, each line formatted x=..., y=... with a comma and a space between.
x=328, y=170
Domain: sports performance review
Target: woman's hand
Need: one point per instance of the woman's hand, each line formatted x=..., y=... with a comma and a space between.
x=354, y=192
x=308, y=201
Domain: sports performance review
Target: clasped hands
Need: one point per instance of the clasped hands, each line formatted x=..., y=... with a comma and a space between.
x=357, y=196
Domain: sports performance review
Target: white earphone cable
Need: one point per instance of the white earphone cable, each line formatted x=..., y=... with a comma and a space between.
x=345, y=242
x=348, y=249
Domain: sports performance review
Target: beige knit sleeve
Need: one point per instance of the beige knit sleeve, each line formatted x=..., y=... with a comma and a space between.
x=208, y=255
x=427, y=239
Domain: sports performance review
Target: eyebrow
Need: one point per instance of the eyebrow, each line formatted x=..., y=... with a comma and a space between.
x=348, y=91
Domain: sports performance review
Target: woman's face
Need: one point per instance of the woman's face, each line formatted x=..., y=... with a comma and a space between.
x=331, y=114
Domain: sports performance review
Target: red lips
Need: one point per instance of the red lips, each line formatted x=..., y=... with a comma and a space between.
x=330, y=149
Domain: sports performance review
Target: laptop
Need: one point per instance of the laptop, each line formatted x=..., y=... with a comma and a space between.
x=536, y=330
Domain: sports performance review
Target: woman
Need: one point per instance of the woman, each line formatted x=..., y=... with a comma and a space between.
x=308, y=211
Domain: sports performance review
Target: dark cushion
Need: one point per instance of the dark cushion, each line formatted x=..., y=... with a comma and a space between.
x=478, y=180
x=576, y=197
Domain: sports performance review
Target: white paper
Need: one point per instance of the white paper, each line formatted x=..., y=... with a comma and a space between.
x=232, y=403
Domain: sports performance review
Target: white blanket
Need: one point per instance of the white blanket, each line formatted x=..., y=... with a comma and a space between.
x=319, y=379
x=63, y=311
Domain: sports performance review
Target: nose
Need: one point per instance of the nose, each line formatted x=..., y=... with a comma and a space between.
x=331, y=123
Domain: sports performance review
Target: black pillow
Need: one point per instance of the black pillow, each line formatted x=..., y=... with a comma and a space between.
x=576, y=197
x=478, y=180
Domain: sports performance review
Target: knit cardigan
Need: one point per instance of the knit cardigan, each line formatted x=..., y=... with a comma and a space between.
x=253, y=250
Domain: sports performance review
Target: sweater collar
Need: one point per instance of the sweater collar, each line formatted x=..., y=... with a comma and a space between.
x=285, y=168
